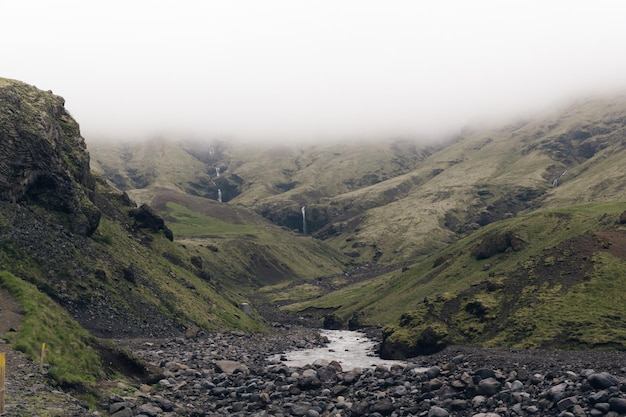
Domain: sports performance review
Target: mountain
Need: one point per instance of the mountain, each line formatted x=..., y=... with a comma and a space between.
x=375, y=201
x=509, y=236
x=478, y=232
x=80, y=255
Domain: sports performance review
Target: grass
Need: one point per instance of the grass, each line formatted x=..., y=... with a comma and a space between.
x=187, y=223
x=590, y=314
x=455, y=290
x=392, y=197
x=173, y=286
x=294, y=293
x=73, y=362
x=386, y=202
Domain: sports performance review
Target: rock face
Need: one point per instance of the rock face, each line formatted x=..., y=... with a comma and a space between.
x=495, y=243
x=146, y=217
x=43, y=158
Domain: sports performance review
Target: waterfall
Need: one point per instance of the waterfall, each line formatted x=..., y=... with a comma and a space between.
x=555, y=183
x=304, y=220
x=217, y=171
x=219, y=195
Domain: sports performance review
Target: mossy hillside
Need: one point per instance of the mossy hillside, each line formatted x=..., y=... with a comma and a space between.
x=171, y=282
x=156, y=163
x=462, y=180
x=241, y=250
x=69, y=352
x=490, y=175
x=401, y=200
x=537, y=302
x=39, y=110
x=235, y=251
x=187, y=223
x=479, y=299
x=122, y=279
x=310, y=172
x=587, y=316
x=278, y=180
x=289, y=292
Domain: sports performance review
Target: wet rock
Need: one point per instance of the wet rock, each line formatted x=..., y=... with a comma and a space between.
x=149, y=410
x=333, y=322
x=567, y=403
x=384, y=407
x=126, y=412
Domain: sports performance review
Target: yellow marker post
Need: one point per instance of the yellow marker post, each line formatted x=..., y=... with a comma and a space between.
x=2, y=382
x=43, y=354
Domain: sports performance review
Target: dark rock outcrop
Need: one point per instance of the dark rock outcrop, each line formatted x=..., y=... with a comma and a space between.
x=430, y=340
x=43, y=158
x=333, y=322
x=146, y=218
x=495, y=243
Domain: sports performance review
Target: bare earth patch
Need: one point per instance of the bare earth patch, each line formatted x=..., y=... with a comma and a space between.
x=11, y=312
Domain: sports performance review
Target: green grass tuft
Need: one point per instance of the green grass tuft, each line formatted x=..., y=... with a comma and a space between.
x=72, y=360
x=185, y=222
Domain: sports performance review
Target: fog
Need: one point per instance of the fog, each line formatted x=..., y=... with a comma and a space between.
x=288, y=70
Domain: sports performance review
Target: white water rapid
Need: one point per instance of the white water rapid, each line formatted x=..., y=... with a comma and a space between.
x=304, y=220
x=219, y=195
x=351, y=349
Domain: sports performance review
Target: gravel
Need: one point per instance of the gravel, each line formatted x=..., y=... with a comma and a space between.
x=222, y=374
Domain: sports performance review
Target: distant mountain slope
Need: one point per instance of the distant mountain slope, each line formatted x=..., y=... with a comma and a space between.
x=488, y=176
x=510, y=236
x=397, y=201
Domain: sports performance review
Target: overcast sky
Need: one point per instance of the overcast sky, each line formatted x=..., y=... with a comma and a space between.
x=299, y=68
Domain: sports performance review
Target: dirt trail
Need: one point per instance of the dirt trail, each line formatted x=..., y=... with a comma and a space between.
x=11, y=313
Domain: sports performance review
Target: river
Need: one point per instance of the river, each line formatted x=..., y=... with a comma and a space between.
x=351, y=349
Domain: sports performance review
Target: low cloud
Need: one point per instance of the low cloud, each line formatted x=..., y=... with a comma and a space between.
x=311, y=69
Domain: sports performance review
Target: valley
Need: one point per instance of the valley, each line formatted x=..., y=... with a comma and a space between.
x=407, y=218
x=496, y=242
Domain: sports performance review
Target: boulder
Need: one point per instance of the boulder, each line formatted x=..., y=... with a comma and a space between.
x=146, y=218
x=333, y=322
x=231, y=367
x=494, y=243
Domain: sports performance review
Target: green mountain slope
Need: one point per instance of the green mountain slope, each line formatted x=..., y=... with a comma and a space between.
x=88, y=250
x=545, y=194
x=547, y=279
x=398, y=201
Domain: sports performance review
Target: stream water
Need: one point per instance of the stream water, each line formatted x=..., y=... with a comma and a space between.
x=351, y=349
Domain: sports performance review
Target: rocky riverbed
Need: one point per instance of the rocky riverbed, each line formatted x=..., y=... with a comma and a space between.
x=230, y=374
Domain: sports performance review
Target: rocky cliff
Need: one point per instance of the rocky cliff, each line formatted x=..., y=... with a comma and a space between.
x=110, y=264
x=43, y=158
